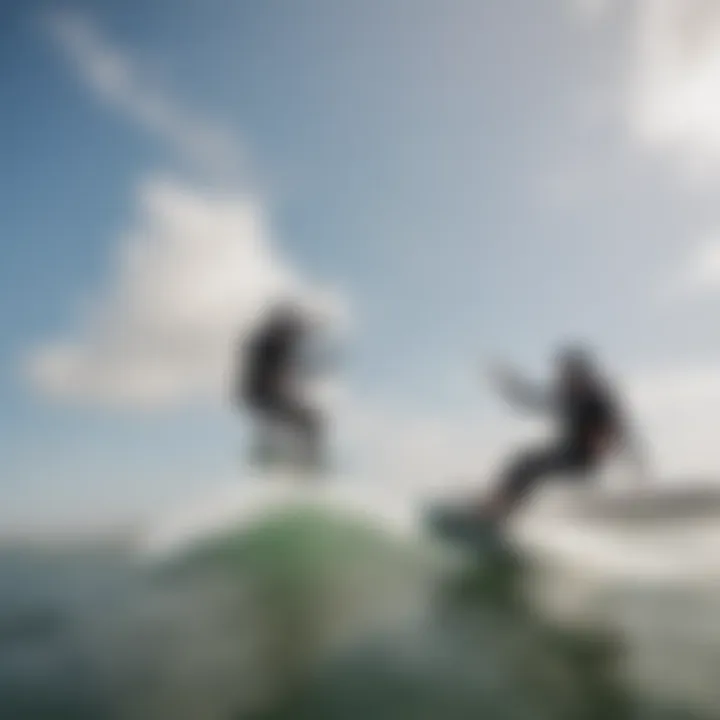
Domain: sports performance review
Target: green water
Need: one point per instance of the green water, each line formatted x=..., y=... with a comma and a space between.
x=304, y=615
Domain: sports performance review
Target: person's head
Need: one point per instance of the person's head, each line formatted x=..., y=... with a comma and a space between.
x=284, y=317
x=576, y=366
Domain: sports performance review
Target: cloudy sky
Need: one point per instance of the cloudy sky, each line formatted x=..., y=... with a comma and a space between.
x=458, y=181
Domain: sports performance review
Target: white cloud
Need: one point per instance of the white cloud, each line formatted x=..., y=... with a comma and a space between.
x=117, y=80
x=674, y=95
x=673, y=108
x=194, y=270
x=196, y=267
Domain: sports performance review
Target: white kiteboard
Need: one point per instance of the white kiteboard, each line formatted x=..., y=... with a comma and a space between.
x=649, y=503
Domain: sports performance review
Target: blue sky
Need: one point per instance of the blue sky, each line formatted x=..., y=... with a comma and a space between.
x=474, y=179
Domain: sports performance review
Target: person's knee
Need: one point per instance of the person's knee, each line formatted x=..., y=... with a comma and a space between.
x=257, y=397
x=525, y=470
x=528, y=462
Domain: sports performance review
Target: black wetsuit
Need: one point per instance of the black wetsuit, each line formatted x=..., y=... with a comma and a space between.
x=270, y=359
x=589, y=418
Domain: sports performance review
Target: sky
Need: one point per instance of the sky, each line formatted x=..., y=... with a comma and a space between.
x=450, y=182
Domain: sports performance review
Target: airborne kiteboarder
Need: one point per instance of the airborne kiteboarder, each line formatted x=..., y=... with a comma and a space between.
x=269, y=384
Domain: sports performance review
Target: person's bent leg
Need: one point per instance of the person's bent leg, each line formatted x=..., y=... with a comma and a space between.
x=306, y=423
x=309, y=425
x=520, y=478
x=261, y=407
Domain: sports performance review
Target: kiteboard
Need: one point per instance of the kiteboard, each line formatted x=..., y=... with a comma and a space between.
x=271, y=453
x=464, y=528
x=676, y=502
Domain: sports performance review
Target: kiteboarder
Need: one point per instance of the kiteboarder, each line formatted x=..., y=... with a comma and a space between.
x=270, y=370
x=592, y=425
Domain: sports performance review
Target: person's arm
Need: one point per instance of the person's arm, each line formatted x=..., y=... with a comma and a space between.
x=521, y=393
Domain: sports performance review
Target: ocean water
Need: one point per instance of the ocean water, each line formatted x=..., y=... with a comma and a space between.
x=312, y=615
x=49, y=597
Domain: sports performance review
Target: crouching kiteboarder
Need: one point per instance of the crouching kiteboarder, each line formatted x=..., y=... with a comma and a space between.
x=272, y=365
x=592, y=427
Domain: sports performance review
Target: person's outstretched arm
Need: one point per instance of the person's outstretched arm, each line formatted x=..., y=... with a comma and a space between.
x=521, y=393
